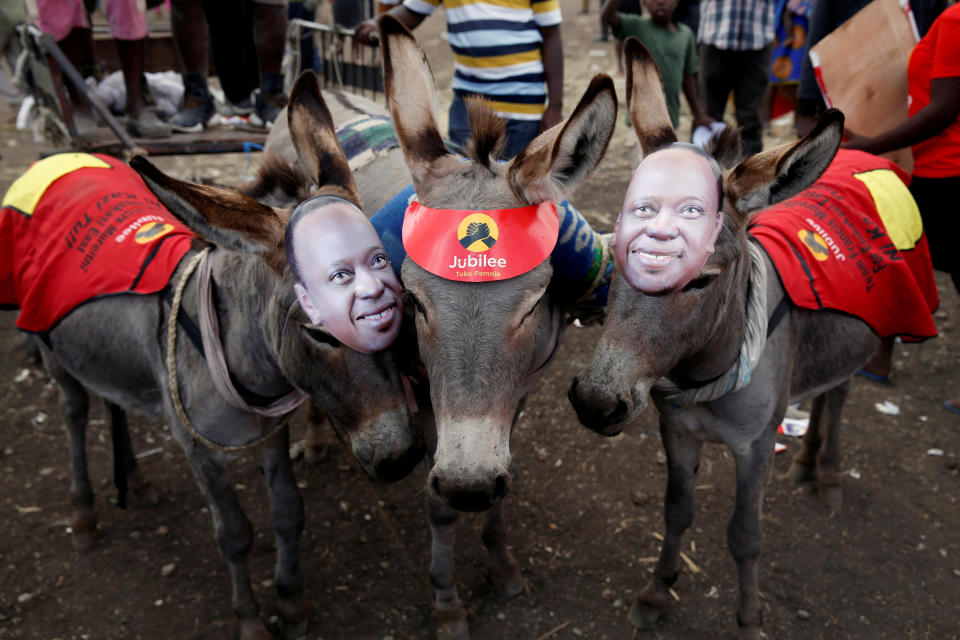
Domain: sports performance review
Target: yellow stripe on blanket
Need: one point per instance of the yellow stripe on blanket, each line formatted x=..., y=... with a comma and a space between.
x=24, y=194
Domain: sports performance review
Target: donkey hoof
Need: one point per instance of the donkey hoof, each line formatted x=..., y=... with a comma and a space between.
x=751, y=633
x=311, y=453
x=294, y=618
x=451, y=624
x=143, y=497
x=84, y=540
x=799, y=473
x=83, y=525
x=293, y=629
x=254, y=629
x=831, y=497
x=507, y=581
x=643, y=616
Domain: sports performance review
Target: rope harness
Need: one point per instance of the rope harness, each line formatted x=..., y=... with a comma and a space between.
x=216, y=362
x=737, y=376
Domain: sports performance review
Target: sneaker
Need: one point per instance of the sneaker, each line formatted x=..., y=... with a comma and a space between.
x=148, y=125
x=196, y=113
x=267, y=107
x=242, y=108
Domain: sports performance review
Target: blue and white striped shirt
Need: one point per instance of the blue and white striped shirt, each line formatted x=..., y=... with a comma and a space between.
x=498, y=50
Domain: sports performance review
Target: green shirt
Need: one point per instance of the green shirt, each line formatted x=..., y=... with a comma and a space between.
x=675, y=53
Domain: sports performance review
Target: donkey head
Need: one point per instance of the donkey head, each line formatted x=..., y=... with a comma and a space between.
x=693, y=333
x=480, y=342
x=362, y=395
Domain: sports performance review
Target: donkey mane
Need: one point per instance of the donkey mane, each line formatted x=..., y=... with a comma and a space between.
x=278, y=182
x=726, y=147
x=486, y=132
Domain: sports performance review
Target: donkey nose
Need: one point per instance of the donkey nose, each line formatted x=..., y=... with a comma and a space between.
x=469, y=495
x=602, y=412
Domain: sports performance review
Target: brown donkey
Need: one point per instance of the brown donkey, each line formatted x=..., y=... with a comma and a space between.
x=691, y=337
x=483, y=344
x=116, y=347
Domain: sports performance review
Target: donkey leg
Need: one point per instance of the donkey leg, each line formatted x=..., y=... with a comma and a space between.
x=83, y=519
x=314, y=446
x=286, y=508
x=803, y=468
x=233, y=531
x=140, y=492
x=449, y=614
x=683, y=460
x=744, y=536
x=830, y=455
x=504, y=569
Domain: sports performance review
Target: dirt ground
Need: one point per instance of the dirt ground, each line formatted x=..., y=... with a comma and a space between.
x=583, y=516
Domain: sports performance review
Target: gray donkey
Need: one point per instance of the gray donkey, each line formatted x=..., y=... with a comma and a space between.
x=116, y=347
x=692, y=336
x=484, y=344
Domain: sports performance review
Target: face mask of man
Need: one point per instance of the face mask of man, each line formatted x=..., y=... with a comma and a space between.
x=346, y=283
x=669, y=222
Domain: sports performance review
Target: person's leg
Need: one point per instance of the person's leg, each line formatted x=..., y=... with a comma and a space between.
x=230, y=27
x=519, y=134
x=714, y=82
x=128, y=25
x=269, y=35
x=190, y=34
x=459, y=127
x=749, y=93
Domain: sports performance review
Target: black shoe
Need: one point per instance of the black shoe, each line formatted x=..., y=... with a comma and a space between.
x=266, y=108
x=195, y=114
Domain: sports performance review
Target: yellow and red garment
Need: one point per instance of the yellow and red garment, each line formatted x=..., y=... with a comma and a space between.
x=854, y=242
x=78, y=226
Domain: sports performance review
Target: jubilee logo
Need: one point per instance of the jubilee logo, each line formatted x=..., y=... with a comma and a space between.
x=151, y=231
x=479, y=245
x=477, y=232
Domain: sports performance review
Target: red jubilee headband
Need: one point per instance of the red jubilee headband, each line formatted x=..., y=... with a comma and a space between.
x=480, y=245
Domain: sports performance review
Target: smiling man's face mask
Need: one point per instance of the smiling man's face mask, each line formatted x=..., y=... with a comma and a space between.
x=344, y=279
x=669, y=222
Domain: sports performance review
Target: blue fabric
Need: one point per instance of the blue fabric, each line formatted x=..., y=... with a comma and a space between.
x=576, y=258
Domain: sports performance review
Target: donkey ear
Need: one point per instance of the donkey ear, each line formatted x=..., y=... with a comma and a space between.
x=555, y=161
x=315, y=139
x=646, y=101
x=412, y=98
x=773, y=176
x=222, y=217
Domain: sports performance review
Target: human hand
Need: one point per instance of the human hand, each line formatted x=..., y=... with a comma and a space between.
x=703, y=121
x=475, y=231
x=366, y=33
x=551, y=117
x=854, y=141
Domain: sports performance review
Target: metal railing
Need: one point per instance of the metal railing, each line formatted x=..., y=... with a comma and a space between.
x=341, y=63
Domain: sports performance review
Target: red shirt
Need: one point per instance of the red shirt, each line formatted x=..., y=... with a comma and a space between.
x=937, y=55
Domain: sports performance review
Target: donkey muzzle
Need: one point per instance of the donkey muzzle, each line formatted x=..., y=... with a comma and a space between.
x=599, y=409
x=469, y=494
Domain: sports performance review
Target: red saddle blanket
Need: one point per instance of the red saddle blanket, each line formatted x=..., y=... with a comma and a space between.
x=854, y=242
x=77, y=226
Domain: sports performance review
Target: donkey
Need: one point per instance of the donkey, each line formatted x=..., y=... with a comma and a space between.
x=116, y=346
x=483, y=344
x=691, y=337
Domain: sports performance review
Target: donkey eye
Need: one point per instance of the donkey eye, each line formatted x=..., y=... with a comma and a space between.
x=417, y=305
x=533, y=310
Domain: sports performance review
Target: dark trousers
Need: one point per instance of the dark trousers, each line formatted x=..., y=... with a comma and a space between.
x=519, y=132
x=747, y=74
x=936, y=198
